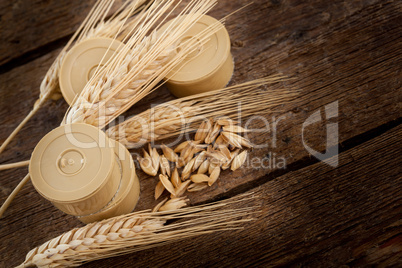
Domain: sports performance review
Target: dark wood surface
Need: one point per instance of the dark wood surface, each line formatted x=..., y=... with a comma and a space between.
x=311, y=214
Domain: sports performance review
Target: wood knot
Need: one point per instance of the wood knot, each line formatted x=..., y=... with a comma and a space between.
x=237, y=43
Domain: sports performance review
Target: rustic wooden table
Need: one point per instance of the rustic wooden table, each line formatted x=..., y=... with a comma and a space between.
x=340, y=54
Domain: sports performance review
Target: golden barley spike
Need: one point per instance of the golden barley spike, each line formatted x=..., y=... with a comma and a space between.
x=137, y=68
x=137, y=231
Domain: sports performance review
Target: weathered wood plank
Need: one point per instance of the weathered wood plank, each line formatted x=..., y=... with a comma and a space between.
x=29, y=28
x=366, y=88
x=313, y=217
x=28, y=25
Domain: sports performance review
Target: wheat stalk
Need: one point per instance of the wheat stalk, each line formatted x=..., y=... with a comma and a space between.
x=140, y=65
x=94, y=24
x=181, y=115
x=136, y=231
x=14, y=165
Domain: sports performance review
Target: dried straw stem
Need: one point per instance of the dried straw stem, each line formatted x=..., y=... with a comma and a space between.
x=11, y=197
x=140, y=65
x=94, y=25
x=14, y=165
x=47, y=89
x=134, y=232
x=182, y=115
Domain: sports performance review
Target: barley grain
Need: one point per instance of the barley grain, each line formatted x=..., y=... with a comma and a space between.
x=235, y=129
x=212, y=165
x=213, y=133
x=202, y=131
x=214, y=175
x=233, y=139
x=146, y=165
x=198, y=178
x=225, y=151
x=180, y=162
x=239, y=160
x=154, y=157
x=220, y=142
x=199, y=159
x=175, y=178
x=164, y=165
x=159, y=190
x=188, y=152
x=169, y=153
x=187, y=170
x=204, y=167
x=181, y=146
x=182, y=188
x=167, y=184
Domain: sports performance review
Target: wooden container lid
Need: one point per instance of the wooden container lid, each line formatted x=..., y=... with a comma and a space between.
x=81, y=62
x=210, y=67
x=74, y=166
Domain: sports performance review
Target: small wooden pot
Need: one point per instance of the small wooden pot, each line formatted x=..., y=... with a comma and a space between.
x=84, y=173
x=209, y=67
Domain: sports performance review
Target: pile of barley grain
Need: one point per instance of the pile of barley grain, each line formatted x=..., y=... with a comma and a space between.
x=197, y=163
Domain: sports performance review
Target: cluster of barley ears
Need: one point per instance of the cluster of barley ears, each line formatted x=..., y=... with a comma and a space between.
x=137, y=68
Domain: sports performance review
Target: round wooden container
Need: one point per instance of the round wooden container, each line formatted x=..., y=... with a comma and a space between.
x=81, y=62
x=209, y=67
x=128, y=193
x=84, y=173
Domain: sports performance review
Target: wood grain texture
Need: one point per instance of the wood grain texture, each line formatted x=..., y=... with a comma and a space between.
x=312, y=214
x=27, y=28
x=28, y=25
x=313, y=217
